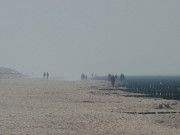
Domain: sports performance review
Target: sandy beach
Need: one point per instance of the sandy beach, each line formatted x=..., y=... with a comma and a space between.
x=56, y=107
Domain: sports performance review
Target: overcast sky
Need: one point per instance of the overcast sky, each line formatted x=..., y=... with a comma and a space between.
x=71, y=37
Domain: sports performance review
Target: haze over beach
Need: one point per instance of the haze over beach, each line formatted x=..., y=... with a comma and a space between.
x=47, y=46
x=71, y=37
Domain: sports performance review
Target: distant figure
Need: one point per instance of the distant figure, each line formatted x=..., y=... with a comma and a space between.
x=47, y=74
x=92, y=75
x=44, y=74
x=116, y=77
x=112, y=80
x=82, y=76
x=122, y=77
x=109, y=77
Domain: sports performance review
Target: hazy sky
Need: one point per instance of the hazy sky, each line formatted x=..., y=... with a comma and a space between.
x=70, y=37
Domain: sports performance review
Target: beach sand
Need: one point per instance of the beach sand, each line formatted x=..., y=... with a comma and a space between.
x=56, y=107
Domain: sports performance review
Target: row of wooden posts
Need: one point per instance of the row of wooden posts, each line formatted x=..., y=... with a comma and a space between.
x=161, y=91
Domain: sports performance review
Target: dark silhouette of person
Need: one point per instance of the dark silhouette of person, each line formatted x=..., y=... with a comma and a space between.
x=47, y=74
x=44, y=74
x=116, y=76
x=112, y=80
x=122, y=77
x=82, y=76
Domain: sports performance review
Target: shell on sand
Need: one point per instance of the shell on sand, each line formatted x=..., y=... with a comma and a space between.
x=53, y=107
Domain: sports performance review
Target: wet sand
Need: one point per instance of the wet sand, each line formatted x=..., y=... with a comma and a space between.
x=54, y=107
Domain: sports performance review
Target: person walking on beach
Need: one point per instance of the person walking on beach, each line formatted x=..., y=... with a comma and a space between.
x=47, y=75
x=116, y=76
x=122, y=77
x=44, y=74
x=82, y=76
x=112, y=80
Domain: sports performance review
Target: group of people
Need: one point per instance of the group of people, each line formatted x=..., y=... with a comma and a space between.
x=46, y=75
x=113, y=78
x=83, y=77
